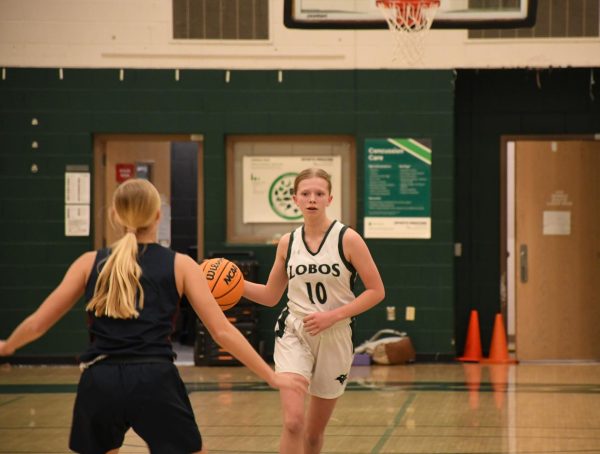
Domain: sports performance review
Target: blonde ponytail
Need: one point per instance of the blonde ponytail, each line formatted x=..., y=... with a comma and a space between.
x=136, y=204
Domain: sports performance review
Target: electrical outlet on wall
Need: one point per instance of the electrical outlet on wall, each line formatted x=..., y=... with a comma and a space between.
x=390, y=312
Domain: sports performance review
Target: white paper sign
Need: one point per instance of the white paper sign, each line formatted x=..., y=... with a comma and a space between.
x=77, y=220
x=77, y=203
x=557, y=223
x=77, y=187
x=269, y=181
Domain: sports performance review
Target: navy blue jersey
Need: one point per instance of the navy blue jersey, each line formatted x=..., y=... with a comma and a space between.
x=150, y=333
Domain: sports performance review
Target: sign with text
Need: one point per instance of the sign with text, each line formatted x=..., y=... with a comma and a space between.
x=397, y=188
x=124, y=171
x=77, y=202
x=269, y=183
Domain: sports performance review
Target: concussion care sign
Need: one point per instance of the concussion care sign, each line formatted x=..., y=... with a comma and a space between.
x=397, y=188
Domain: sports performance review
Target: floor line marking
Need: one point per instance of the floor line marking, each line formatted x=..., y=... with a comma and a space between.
x=386, y=435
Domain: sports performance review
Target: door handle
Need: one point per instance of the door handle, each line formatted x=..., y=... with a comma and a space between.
x=523, y=267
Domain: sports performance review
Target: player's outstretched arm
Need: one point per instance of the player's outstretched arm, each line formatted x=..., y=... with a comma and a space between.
x=191, y=281
x=270, y=293
x=53, y=308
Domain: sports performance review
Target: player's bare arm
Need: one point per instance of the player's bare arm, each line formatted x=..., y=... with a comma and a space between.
x=54, y=307
x=193, y=284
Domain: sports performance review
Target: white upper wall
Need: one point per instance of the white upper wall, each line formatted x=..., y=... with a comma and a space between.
x=138, y=34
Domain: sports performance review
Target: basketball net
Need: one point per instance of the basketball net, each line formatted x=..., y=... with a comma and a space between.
x=409, y=21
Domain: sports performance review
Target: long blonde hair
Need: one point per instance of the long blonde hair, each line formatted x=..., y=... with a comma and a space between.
x=135, y=206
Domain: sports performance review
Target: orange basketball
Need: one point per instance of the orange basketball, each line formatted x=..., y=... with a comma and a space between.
x=225, y=280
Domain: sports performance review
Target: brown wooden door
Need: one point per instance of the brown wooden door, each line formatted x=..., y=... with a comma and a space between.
x=120, y=155
x=152, y=151
x=557, y=194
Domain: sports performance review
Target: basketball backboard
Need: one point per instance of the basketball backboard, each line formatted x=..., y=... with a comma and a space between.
x=364, y=14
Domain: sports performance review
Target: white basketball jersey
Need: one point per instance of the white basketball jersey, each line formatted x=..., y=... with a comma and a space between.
x=321, y=280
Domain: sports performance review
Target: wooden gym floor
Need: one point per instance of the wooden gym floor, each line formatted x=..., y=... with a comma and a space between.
x=421, y=408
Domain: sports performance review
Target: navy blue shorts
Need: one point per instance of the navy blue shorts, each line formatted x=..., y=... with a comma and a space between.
x=148, y=397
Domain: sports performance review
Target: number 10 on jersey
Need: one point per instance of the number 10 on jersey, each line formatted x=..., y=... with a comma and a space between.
x=319, y=292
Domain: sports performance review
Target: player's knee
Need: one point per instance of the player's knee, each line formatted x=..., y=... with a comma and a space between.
x=294, y=423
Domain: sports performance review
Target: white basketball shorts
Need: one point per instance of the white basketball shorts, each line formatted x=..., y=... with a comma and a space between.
x=324, y=359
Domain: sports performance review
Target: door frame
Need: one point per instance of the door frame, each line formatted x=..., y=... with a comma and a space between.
x=100, y=143
x=507, y=218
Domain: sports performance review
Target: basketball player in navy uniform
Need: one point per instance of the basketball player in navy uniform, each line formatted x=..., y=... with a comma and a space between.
x=318, y=263
x=133, y=290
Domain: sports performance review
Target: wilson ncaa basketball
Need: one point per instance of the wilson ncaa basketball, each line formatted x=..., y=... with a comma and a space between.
x=225, y=280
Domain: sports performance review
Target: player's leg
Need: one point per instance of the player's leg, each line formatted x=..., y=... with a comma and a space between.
x=160, y=409
x=292, y=406
x=292, y=356
x=99, y=416
x=330, y=375
x=317, y=417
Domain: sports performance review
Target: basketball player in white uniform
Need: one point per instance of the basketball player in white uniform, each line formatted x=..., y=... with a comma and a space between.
x=318, y=263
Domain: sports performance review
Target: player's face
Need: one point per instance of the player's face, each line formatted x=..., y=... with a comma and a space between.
x=312, y=196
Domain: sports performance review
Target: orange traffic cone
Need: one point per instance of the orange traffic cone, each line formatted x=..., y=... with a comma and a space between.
x=498, y=348
x=472, y=351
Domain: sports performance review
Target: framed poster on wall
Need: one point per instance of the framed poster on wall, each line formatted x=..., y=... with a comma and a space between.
x=269, y=181
x=397, y=188
x=261, y=172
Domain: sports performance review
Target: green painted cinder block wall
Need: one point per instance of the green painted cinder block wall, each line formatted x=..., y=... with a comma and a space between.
x=364, y=104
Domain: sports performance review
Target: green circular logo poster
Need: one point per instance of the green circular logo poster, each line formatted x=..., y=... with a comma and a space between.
x=280, y=197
